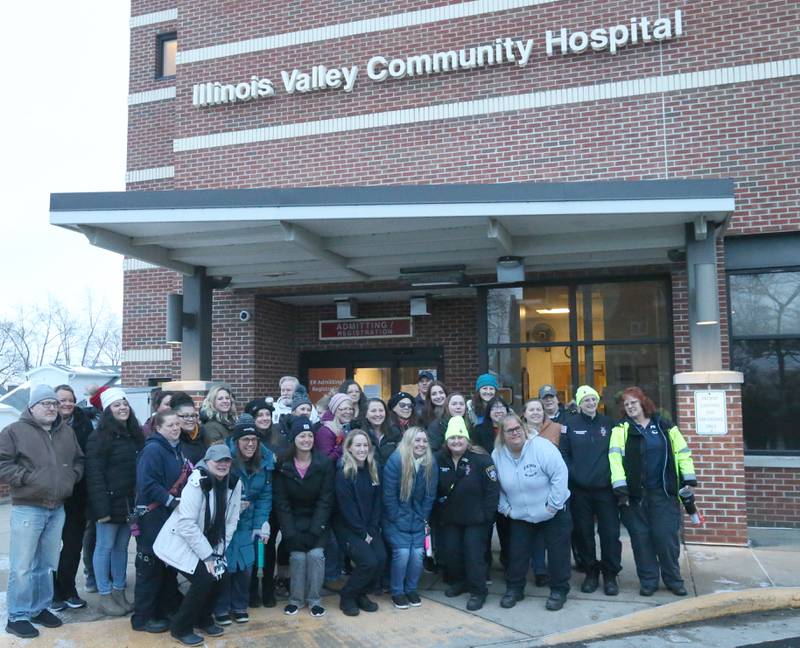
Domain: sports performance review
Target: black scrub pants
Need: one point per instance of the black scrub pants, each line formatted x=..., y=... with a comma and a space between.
x=557, y=531
x=463, y=554
x=155, y=594
x=71, y=546
x=585, y=505
x=654, y=523
x=368, y=560
x=198, y=603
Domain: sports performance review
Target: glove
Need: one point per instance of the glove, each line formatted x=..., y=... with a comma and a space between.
x=690, y=482
x=622, y=495
x=262, y=534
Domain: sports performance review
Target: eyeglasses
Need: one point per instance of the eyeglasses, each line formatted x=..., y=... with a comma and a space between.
x=513, y=430
x=405, y=405
x=249, y=441
x=187, y=417
x=48, y=404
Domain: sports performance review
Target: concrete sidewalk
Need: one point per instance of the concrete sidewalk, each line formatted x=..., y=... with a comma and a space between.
x=772, y=560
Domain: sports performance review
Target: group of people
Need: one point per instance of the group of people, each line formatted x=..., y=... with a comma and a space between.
x=287, y=498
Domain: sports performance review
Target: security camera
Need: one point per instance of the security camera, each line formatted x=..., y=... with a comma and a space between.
x=245, y=316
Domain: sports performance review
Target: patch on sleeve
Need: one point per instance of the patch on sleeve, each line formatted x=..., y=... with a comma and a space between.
x=491, y=472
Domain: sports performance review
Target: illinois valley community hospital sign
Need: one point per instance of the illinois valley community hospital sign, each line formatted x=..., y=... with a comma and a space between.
x=641, y=30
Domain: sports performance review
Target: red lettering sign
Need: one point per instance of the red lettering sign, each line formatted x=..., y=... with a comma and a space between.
x=388, y=327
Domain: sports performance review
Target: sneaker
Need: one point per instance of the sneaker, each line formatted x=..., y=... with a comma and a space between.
x=75, y=602
x=22, y=629
x=509, y=599
x=349, y=607
x=291, y=609
x=400, y=601
x=47, y=619
x=317, y=611
x=222, y=619
x=58, y=606
x=240, y=617
x=212, y=630
x=155, y=626
x=610, y=585
x=476, y=602
x=413, y=599
x=189, y=639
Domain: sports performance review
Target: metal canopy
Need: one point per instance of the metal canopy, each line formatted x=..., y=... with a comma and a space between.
x=294, y=237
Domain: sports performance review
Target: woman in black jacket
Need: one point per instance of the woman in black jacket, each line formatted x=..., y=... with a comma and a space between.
x=467, y=498
x=357, y=523
x=384, y=438
x=304, y=495
x=111, y=481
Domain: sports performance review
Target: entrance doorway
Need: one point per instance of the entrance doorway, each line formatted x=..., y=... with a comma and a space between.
x=380, y=372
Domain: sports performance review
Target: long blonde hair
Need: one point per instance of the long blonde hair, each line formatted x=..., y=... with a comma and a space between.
x=211, y=413
x=408, y=473
x=349, y=465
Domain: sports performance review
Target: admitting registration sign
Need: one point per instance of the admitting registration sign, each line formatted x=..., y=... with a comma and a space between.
x=386, y=327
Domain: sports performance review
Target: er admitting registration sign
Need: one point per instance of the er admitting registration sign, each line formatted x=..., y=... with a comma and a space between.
x=386, y=327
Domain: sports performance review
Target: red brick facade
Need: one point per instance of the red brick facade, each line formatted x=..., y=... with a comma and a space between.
x=744, y=130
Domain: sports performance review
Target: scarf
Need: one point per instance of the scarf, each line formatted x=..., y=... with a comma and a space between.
x=214, y=530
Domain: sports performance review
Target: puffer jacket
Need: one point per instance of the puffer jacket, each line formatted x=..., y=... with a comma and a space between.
x=404, y=522
x=41, y=467
x=111, y=474
x=257, y=490
x=181, y=542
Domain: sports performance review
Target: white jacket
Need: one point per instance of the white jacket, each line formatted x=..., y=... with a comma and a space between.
x=181, y=543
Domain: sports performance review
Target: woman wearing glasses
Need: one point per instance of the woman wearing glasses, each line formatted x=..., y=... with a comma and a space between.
x=253, y=464
x=533, y=495
x=401, y=413
x=193, y=444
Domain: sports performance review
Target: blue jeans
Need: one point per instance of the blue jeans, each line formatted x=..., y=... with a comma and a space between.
x=111, y=556
x=234, y=593
x=35, y=546
x=406, y=569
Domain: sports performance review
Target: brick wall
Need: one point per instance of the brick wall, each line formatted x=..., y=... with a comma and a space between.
x=719, y=464
x=773, y=497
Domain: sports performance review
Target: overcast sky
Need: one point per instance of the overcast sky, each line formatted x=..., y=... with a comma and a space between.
x=63, y=115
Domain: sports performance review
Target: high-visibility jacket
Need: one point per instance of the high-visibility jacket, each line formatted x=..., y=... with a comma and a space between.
x=627, y=456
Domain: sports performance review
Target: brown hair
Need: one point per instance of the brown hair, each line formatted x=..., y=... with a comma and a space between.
x=648, y=406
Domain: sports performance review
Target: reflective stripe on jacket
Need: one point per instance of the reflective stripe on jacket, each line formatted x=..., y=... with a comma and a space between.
x=626, y=456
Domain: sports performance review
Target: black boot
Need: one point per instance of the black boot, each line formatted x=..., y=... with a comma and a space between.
x=592, y=580
x=610, y=585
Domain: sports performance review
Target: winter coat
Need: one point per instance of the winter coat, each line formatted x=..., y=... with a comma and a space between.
x=404, y=522
x=328, y=442
x=552, y=431
x=81, y=424
x=627, y=454
x=111, y=473
x=305, y=505
x=436, y=429
x=466, y=494
x=41, y=467
x=383, y=448
x=194, y=449
x=158, y=468
x=484, y=435
x=181, y=542
x=216, y=431
x=585, y=450
x=358, y=504
x=534, y=487
x=257, y=490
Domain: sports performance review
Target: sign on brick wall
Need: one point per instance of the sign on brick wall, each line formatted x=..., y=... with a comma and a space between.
x=386, y=327
x=709, y=412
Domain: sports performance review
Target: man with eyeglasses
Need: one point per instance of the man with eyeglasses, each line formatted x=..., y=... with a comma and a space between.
x=41, y=461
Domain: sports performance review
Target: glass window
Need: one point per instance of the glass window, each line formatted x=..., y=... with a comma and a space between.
x=535, y=314
x=623, y=311
x=765, y=304
x=770, y=407
x=167, y=48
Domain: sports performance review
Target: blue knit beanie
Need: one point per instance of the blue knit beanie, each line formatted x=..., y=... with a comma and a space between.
x=486, y=380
